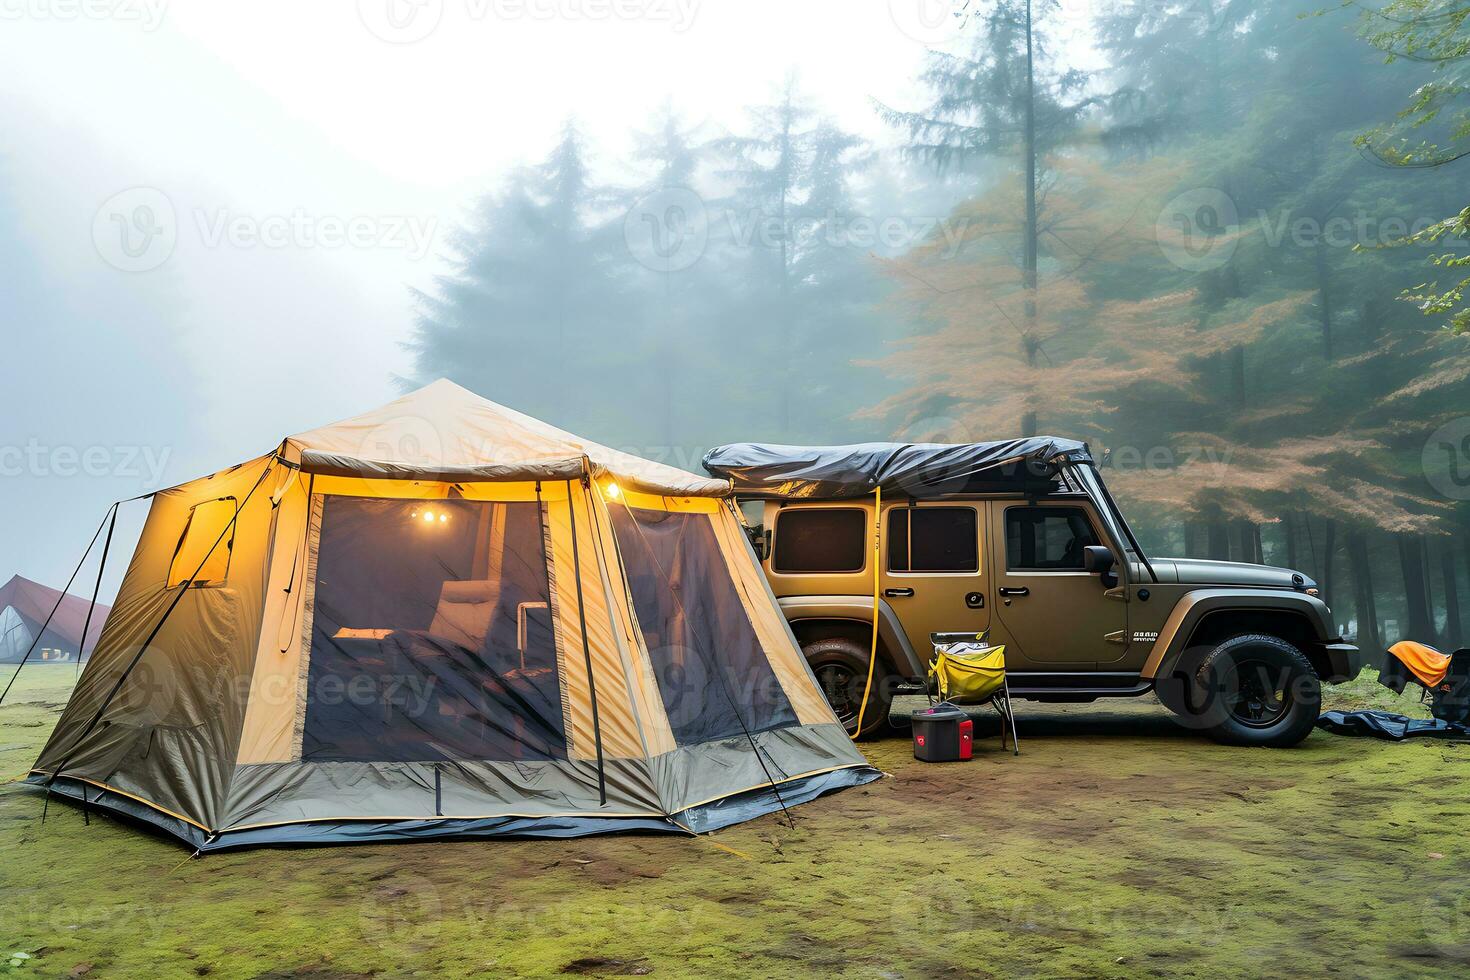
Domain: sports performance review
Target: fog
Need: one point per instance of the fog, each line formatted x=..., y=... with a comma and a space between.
x=290, y=119
x=667, y=224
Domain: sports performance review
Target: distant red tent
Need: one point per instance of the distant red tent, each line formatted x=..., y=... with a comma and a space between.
x=24, y=606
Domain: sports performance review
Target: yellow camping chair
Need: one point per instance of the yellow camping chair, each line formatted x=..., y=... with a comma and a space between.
x=968, y=670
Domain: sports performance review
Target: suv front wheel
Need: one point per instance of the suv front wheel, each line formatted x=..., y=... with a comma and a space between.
x=1257, y=690
x=841, y=668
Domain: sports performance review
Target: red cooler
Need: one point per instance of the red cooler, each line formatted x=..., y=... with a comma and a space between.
x=943, y=733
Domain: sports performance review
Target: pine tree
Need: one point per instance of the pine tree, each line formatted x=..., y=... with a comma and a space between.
x=1007, y=99
x=804, y=305
x=531, y=300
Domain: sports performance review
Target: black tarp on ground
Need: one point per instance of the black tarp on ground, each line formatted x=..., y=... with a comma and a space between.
x=1389, y=726
x=912, y=469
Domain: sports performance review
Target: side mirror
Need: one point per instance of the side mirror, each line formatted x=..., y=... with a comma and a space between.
x=1097, y=558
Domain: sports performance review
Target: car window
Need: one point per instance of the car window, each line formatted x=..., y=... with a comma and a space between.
x=1047, y=538
x=932, y=539
x=819, y=539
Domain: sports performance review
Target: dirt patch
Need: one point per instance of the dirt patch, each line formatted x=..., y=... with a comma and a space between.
x=596, y=966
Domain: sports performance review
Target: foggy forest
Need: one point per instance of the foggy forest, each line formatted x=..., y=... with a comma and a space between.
x=1227, y=258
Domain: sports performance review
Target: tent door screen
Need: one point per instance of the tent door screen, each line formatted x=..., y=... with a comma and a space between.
x=432, y=634
x=713, y=675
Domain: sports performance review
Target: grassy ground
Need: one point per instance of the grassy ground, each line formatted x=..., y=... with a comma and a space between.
x=1117, y=844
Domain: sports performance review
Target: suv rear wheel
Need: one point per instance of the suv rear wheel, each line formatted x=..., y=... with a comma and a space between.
x=841, y=667
x=1256, y=690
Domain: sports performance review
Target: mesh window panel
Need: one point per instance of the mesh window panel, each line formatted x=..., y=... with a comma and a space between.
x=431, y=634
x=712, y=673
x=204, y=548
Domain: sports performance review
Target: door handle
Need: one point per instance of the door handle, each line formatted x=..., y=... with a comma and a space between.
x=898, y=593
x=1013, y=592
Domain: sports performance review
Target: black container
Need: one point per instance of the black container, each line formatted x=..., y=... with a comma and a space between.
x=942, y=733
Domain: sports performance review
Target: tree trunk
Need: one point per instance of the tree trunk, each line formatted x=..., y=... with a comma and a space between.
x=1288, y=528
x=1420, y=625
x=1372, y=324
x=1324, y=296
x=1454, y=632
x=1246, y=532
x=1237, y=376
x=1362, y=566
x=1424, y=549
x=788, y=328
x=1031, y=247
x=1329, y=548
x=1028, y=418
x=1191, y=539
x=670, y=364
x=1218, y=545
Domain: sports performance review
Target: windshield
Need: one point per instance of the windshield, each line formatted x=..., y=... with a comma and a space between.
x=1087, y=475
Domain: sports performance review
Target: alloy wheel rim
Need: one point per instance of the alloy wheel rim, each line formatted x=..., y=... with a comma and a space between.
x=1260, y=696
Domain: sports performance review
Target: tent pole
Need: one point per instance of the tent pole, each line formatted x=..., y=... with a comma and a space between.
x=582, y=620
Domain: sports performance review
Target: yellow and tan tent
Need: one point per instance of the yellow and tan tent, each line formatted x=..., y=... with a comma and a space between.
x=444, y=618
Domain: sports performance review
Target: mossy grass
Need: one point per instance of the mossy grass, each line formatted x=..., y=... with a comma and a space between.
x=1117, y=844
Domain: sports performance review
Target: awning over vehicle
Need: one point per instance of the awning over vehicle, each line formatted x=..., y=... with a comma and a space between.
x=910, y=469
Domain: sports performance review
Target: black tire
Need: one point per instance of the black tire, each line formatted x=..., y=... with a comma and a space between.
x=1257, y=690
x=841, y=667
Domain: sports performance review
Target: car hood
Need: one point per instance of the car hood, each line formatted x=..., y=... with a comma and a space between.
x=1198, y=571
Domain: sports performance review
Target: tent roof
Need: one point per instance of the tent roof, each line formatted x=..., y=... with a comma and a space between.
x=444, y=431
x=34, y=602
x=912, y=469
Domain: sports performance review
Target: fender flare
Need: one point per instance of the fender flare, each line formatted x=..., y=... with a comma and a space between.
x=1196, y=604
x=858, y=609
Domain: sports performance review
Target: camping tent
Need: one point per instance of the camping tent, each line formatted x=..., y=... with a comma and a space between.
x=444, y=618
x=25, y=607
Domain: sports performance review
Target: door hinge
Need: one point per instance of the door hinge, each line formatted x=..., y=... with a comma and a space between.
x=1118, y=593
x=1117, y=636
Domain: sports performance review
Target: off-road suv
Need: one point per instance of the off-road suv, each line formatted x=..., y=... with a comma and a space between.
x=1022, y=539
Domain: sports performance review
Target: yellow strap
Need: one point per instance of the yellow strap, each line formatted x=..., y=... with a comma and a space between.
x=873, y=652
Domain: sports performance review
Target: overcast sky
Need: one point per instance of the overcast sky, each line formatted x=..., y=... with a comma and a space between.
x=213, y=209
